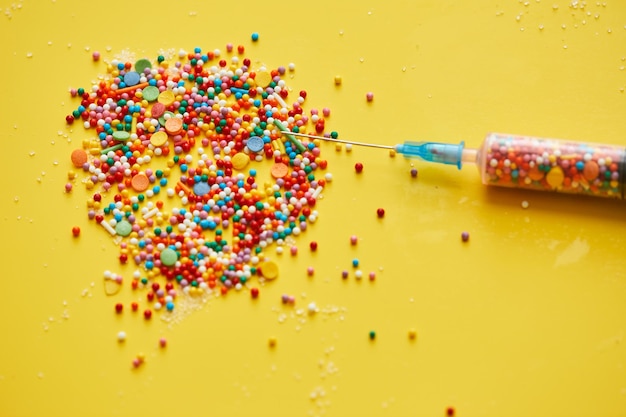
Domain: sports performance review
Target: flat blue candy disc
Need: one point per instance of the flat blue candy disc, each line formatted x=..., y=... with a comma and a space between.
x=201, y=188
x=255, y=144
x=131, y=78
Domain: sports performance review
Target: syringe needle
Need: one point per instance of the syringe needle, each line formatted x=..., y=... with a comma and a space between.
x=350, y=142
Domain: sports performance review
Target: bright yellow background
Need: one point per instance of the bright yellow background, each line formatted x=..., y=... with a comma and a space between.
x=525, y=319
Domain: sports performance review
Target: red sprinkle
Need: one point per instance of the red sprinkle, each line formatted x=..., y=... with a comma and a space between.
x=450, y=411
x=134, y=306
x=76, y=231
x=254, y=292
x=147, y=314
x=119, y=307
x=380, y=212
x=313, y=246
x=358, y=167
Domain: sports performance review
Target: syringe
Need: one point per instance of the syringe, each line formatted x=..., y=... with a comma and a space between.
x=526, y=162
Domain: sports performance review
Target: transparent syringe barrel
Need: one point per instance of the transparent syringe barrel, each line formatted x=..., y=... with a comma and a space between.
x=552, y=165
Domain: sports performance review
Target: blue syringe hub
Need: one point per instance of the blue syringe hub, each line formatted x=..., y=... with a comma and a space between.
x=441, y=153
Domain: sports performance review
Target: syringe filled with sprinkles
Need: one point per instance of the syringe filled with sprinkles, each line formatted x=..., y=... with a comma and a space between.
x=526, y=162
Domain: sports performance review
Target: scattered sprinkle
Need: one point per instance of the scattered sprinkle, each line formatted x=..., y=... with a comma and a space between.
x=465, y=236
x=203, y=208
x=525, y=204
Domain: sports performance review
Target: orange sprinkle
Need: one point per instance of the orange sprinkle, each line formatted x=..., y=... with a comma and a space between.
x=79, y=157
x=128, y=89
x=279, y=170
x=140, y=182
x=173, y=126
x=184, y=187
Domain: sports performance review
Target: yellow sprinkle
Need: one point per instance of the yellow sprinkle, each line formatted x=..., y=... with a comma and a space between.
x=240, y=160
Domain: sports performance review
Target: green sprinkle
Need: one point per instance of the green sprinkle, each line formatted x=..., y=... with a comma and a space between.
x=291, y=138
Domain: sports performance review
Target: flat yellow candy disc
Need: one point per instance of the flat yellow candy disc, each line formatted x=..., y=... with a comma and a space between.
x=166, y=97
x=240, y=160
x=111, y=287
x=263, y=78
x=158, y=138
x=269, y=270
x=555, y=177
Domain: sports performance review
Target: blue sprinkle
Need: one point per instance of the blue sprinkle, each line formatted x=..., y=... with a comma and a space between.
x=254, y=36
x=255, y=144
x=131, y=78
x=201, y=188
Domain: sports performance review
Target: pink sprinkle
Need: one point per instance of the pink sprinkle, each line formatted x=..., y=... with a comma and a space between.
x=353, y=240
x=310, y=271
x=372, y=276
x=326, y=111
x=96, y=56
x=369, y=96
x=162, y=342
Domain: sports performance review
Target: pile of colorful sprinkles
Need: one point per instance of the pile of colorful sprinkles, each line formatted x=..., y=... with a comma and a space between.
x=203, y=220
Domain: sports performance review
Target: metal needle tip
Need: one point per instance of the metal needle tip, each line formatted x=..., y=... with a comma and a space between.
x=350, y=142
